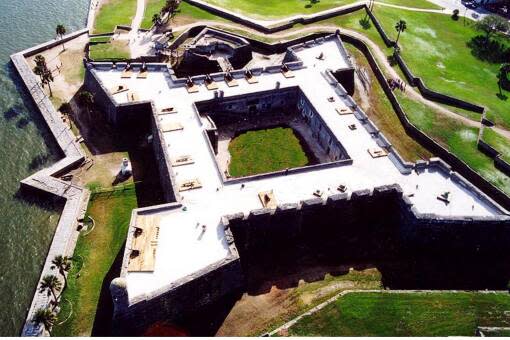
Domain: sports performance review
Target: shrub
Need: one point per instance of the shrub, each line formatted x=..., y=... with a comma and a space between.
x=455, y=15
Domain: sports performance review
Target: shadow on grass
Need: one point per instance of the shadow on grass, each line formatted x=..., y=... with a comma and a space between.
x=104, y=311
x=491, y=51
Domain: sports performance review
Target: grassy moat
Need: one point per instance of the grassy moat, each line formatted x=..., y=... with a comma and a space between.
x=261, y=151
x=405, y=314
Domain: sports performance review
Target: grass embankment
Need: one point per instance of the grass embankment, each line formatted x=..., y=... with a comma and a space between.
x=261, y=151
x=415, y=314
x=435, y=48
x=498, y=142
x=255, y=314
x=381, y=112
x=114, y=50
x=93, y=259
x=263, y=9
x=113, y=13
x=458, y=138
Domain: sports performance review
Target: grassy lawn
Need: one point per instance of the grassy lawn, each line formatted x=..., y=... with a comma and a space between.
x=113, y=13
x=94, y=256
x=459, y=139
x=264, y=9
x=498, y=142
x=435, y=48
x=422, y=314
x=151, y=7
x=114, y=50
x=261, y=151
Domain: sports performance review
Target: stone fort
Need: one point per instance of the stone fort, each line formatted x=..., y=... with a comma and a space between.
x=218, y=234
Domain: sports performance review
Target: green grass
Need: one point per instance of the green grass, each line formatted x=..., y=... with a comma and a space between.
x=416, y=314
x=116, y=50
x=264, y=9
x=188, y=13
x=98, y=40
x=97, y=252
x=459, y=139
x=261, y=151
x=498, y=142
x=434, y=47
x=151, y=7
x=113, y=13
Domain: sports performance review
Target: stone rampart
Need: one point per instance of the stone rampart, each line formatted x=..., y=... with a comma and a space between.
x=75, y=197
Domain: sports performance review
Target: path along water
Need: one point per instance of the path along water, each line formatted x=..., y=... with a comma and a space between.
x=26, y=226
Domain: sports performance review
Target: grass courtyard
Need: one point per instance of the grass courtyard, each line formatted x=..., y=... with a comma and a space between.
x=263, y=9
x=420, y=314
x=114, y=50
x=261, y=151
x=113, y=13
x=93, y=259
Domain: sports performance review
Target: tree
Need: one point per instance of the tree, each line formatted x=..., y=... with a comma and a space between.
x=45, y=317
x=61, y=30
x=170, y=7
x=490, y=24
x=86, y=99
x=63, y=264
x=41, y=69
x=50, y=284
x=455, y=15
x=504, y=70
x=45, y=76
x=40, y=61
x=400, y=26
x=156, y=19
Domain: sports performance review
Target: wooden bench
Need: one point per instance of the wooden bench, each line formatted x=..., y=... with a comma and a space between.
x=183, y=160
x=344, y=110
x=377, y=152
x=190, y=185
x=268, y=199
x=144, y=244
x=127, y=73
x=142, y=75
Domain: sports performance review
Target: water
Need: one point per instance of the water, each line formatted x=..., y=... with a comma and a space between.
x=26, y=226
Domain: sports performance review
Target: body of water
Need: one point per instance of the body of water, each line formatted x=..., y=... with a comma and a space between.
x=26, y=224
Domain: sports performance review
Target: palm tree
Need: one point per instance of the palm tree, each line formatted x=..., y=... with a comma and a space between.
x=45, y=76
x=40, y=61
x=170, y=7
x=156, y=19
x=401, y=26
x=63, y=264
x=45, y=317
x=51, y=284
x=86, y=99
x=61, y=30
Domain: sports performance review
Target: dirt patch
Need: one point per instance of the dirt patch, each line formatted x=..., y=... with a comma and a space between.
x=66, y=67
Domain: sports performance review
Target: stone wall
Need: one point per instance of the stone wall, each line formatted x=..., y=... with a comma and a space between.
x=381, y=214
x=75, y=197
